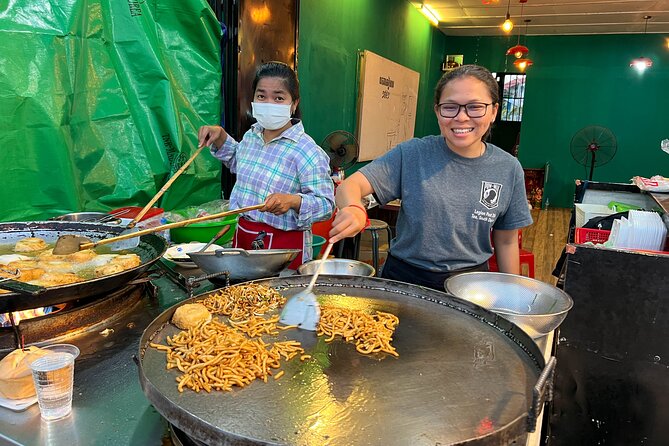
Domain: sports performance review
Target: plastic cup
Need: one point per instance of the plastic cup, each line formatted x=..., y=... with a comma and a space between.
x=53, y=375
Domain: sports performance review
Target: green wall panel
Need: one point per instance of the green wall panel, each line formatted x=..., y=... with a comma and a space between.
x=578, y=81
x=333, y=32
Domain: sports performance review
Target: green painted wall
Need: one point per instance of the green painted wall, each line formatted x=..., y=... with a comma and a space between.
x=333, y=32
x=578, y=81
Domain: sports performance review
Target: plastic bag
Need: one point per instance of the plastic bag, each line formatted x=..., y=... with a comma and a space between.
x=211, y=207
x=101, y=102
x=655, y=183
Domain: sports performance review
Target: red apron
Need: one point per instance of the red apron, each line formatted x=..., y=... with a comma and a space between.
x=248, y=230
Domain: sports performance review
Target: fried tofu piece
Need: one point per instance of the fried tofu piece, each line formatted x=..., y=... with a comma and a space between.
x=56, y=266
x=48, y=255
x=127, y=261
x=85, y=255
x=29, y=274
x=56, y=279
x=189, y=315
x=25, y=274
x=108, y=270
x=30, y=244
x=22, y=264
x=118, y=264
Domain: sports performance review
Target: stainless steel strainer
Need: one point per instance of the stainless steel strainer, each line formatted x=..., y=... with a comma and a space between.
x=536, y=307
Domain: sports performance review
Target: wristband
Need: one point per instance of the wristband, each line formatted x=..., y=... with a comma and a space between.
x=367, y=223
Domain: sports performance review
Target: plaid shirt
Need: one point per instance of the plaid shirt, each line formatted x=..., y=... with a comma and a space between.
x=291, y=163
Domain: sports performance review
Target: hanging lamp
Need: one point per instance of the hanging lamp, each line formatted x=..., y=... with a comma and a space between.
x=519, y=50
x=641, y=63
x=522, y=63
x=507, y=26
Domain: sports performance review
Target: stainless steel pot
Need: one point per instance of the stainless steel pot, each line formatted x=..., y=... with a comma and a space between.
x=338, y=267
x=151, y=248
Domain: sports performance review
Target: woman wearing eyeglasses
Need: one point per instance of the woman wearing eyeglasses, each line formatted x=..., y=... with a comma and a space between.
x=455, y=189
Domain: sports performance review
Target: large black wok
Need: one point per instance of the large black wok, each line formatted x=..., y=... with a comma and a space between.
x=150, y=249
x=464, y=376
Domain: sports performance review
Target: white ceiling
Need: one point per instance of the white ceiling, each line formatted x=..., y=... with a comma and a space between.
x=561, y=17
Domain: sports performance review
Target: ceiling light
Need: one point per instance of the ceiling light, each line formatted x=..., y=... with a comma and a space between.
x=507, y=26
x=641, y=63
x=430, y=14
x=519, y=50
x=522, y=64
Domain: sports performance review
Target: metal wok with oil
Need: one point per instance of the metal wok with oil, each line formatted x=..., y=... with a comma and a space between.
x=150, y=249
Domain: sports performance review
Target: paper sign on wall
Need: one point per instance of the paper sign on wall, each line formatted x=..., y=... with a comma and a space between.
x=387, y=105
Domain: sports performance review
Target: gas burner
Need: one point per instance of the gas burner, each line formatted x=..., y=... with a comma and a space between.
x=13, y=318
x=191, y=279
x=180, y=438
x=74, y=317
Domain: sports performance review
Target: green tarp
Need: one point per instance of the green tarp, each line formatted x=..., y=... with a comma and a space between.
x=100, y=101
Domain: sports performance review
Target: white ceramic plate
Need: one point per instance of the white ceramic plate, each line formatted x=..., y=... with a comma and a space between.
x=178, y=254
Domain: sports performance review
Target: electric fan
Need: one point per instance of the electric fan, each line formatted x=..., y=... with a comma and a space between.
x=593, y=146
x=343, y=150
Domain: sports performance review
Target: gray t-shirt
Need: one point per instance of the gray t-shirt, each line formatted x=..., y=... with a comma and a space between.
x=449, y=203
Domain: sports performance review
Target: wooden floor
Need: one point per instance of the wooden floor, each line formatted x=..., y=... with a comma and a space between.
x=546, y=238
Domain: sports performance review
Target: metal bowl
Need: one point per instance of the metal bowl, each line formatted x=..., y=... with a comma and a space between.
x=245, y=265
x=98, y=217
x=536, y=307
x=338, y=267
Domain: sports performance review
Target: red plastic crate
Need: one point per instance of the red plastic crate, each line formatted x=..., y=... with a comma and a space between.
x=596, y=236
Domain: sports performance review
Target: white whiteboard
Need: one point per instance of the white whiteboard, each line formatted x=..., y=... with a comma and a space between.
x=387, y=105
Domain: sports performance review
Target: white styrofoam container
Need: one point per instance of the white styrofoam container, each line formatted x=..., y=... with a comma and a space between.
x=585, y=212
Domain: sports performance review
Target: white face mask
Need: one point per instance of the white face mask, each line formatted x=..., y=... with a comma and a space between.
x=271, y=116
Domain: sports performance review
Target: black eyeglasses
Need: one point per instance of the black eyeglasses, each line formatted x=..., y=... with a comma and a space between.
x=473, y=109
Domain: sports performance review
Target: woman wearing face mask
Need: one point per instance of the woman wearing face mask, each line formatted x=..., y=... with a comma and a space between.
x=455, y=189
x=277, y=163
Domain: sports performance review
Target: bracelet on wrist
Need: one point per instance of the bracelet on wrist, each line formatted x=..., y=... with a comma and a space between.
x=367, y=223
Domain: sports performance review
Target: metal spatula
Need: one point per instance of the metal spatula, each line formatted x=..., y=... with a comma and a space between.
x=68, y=244
x=302, y=309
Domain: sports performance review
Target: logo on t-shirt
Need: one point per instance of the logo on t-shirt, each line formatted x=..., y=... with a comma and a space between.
x=490, y=194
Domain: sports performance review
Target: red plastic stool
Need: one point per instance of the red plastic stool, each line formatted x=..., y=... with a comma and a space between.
x=374, y=227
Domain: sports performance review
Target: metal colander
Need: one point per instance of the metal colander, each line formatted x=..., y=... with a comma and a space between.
x=536, y=307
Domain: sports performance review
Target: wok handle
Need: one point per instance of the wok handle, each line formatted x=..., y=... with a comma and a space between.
x=542, y=392
x=155, y=198
x=21, y=287
x=177, y=224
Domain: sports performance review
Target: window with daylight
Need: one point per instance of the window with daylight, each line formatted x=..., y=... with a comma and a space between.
x=513, y=95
